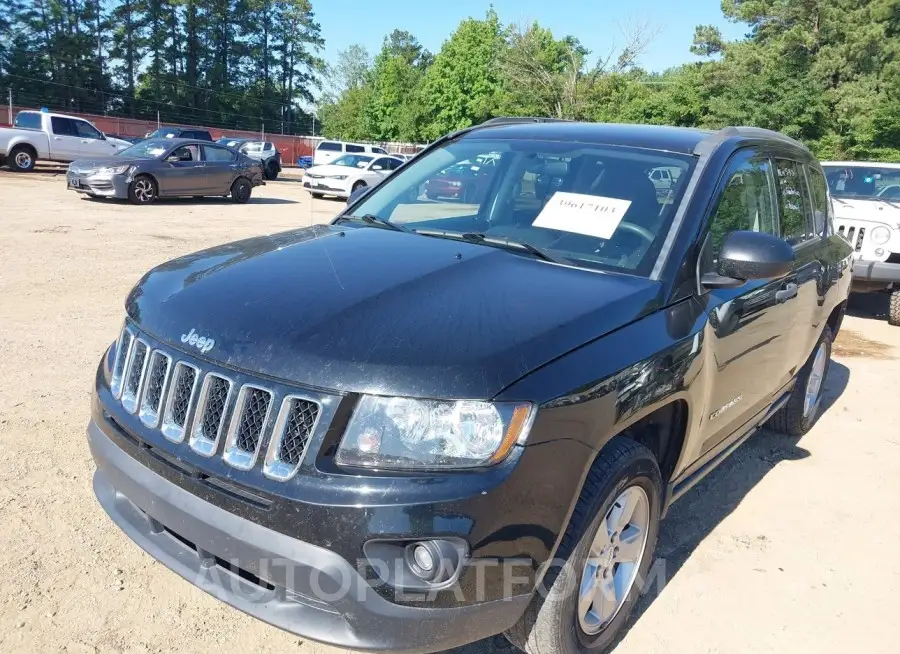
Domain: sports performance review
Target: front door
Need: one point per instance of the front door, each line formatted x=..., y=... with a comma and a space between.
x=184, y=172
x=93, y=143
x=221, y=168
x=750, y=327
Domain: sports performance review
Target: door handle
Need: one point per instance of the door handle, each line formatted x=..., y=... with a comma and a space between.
x=57, y=138
x=785, y=294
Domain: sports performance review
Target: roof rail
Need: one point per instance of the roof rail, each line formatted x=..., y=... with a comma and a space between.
x=707, y=144
x=519, y=120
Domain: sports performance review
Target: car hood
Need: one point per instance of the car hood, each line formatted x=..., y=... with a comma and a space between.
x=378, y=311
x=874, y=210
x=329, y=169
x=97, y=162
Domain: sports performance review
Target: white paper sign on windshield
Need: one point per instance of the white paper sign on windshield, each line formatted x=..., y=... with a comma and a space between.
x=591, y=215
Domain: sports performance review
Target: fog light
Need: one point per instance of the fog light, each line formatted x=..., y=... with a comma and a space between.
x=423, y=558
x=879, y=252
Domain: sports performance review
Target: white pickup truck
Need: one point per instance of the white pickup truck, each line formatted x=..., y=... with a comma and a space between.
x=40, y=135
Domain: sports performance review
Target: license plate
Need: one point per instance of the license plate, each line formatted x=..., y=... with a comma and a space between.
x=76, y=183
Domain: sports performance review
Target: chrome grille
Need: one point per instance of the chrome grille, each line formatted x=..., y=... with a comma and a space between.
x=210, y=416
x=245, y=432
x=187, y=403
x=154, y=388
x=295, y=425
x=184, y=385
x=853, y=235
x=134, y=375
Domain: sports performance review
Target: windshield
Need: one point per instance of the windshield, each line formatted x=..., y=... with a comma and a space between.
x=229, y=142
x=588, y=205
x=145, y=150
x=863, y=182
x=352, y=160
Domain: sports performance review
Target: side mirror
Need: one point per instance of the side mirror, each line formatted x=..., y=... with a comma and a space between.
x=377, y=168
x=358, y=193
x=173, y=158
x=750, y=255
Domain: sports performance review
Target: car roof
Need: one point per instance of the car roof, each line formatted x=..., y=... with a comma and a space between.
x=868, y=164
x=687, y=140
x=180, y=141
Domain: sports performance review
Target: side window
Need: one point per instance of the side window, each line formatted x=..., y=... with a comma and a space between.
x=218, y=155
x=86, y=130
x=269, y=147
x=328, y=146
x=379, y=150
x=793, y=195
x=746, y=203
x=187, y=153
x=28, y=120
x=823, y=213
x=355, y=148
x=63, y=126
x=383, y=163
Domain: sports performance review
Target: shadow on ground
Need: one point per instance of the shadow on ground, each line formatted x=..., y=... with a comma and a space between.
x=869, y=305
x=694, y=516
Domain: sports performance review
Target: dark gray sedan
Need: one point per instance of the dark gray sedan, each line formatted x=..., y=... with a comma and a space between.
x=161, y=168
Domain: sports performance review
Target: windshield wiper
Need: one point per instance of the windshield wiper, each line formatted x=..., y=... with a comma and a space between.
x=495, y=241
x=372, y=219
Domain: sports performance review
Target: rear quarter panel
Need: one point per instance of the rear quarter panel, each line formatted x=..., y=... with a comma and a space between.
x=10, y=137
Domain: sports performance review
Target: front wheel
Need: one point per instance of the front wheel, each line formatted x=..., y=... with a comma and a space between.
x=240, y=191
x=585, y=599
x=142, y=190
x=799, y=414
x=894, y=310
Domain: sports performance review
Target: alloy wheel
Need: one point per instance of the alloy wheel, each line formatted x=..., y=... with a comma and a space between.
x=143, y=190
x=614, y=559
x=23, y=160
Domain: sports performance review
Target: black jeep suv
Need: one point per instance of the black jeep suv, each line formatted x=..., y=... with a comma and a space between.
x=430, y=422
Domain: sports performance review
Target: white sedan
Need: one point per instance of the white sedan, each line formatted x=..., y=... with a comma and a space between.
x=347, y=173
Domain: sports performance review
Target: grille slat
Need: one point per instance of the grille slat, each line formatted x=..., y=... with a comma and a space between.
x=178, y=404
x=293, y=430
x=210, y=416
x=154, y=388
x=182, y=401
x=855, y=235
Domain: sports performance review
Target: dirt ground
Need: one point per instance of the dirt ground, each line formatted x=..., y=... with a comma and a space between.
x=789, y=547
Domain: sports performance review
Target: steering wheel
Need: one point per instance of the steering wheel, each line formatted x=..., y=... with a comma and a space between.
x=643, y=232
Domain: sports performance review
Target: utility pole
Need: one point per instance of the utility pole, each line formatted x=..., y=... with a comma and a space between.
x=10, y=106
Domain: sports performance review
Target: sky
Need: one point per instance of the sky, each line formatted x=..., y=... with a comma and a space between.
x=596, y=23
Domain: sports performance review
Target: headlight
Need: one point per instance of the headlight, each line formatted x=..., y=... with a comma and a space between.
x=341, y=177
x=113, y=170
x=881, y=235
x=421, y=434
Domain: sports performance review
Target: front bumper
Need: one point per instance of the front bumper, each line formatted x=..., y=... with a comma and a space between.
x=325, y=187
x=876, y=271
x=114, y=186
x=302, y=588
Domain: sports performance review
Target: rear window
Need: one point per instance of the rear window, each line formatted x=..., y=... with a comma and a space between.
x=28, y=120
x=329, y=146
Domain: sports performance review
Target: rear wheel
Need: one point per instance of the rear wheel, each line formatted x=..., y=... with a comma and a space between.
x=799, y=414
x=894, y=310
x=21, y=159
x=142, y=190
x=240, y=191
x=607, y=550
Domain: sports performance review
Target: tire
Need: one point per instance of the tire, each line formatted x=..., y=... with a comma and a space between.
x=796, y=417
x=894, y=309
x=241, y=191
x=21, y=159
x=271, y=172
x=142, y=190
x=318, y=196
x=551, y=623
x=358, y=185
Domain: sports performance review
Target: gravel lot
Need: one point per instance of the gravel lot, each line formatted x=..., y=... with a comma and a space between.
x=789, y=547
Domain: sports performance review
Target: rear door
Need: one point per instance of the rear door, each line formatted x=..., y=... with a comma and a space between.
x=65, y=143
x=221, y=168
x=747, y=324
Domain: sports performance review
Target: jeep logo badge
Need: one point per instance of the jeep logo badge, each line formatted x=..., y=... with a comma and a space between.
x=200, y=342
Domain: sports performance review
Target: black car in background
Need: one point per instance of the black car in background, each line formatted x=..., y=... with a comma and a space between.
x=180, y=133
x=263, y=151
x=167, y=167
x=432, y=421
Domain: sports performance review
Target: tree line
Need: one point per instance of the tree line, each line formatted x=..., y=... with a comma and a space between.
x=826, y=72
x=226, y=63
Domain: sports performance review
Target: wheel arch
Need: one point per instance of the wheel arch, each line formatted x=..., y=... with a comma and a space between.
x=23, y=145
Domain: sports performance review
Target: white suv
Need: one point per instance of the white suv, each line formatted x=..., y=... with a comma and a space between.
x=867, y=213
x=328, y=151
